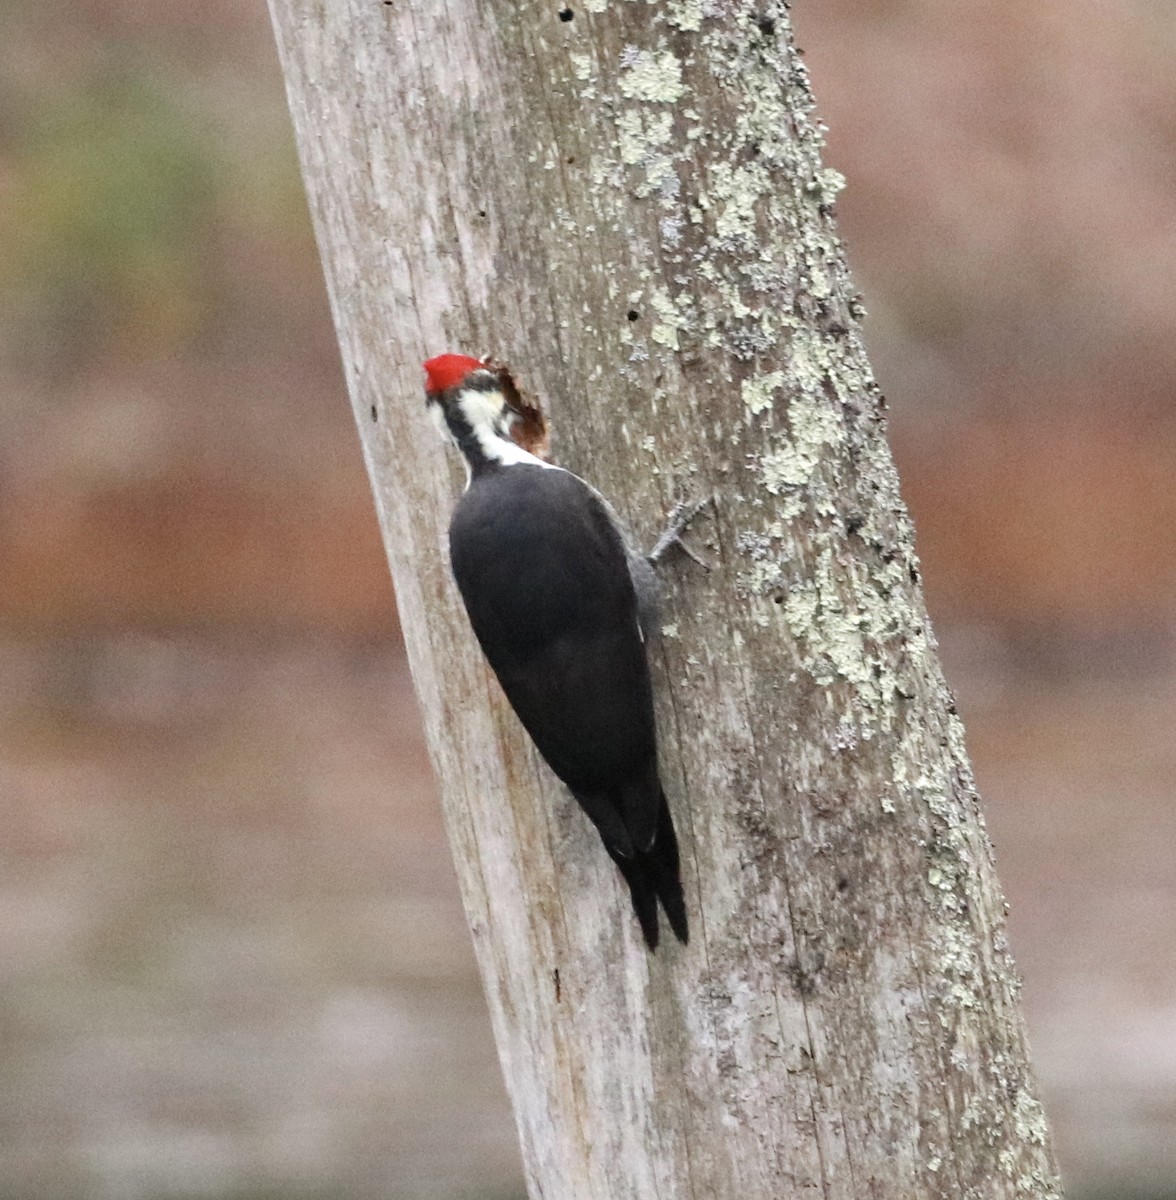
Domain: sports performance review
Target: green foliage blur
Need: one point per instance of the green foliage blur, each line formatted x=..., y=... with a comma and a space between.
x=113, y=197
x=143, y=193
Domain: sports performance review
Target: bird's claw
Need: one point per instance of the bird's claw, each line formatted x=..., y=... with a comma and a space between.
x=681, y=515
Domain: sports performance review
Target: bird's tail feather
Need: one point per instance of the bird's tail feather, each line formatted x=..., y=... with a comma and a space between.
x=654, y=875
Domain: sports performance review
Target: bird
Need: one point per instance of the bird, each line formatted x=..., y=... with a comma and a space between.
x=562, y=607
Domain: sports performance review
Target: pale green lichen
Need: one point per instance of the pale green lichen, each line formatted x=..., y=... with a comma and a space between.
x=847, y=624
x=653, y=76
x=686, y=15
x=582, y=66
x=1029, y=1118
x=826, y=185
x=640, y=137
x=809, y=362
x=758, y=391
x=672, y=315
x=637, y=132
x=794, y=457
x=743, y=262
x=899, y=779
x=737, y=188
x=834, y=634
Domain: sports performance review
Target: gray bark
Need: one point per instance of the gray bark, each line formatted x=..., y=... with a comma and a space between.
x=629, y=206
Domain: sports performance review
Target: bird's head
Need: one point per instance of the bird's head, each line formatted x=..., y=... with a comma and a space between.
x=477, y=404
x=466, y=398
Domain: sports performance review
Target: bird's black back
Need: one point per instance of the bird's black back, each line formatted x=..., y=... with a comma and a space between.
x=544, y=575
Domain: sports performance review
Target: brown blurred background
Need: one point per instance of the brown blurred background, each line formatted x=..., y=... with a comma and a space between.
x=232, y=961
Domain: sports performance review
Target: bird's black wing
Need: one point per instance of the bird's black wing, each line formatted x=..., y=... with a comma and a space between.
x=544, y=576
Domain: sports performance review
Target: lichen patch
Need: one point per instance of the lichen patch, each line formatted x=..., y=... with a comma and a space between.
x=759, y=391
x=654, y=76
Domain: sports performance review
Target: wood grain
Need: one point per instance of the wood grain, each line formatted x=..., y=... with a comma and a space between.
x=629, y=206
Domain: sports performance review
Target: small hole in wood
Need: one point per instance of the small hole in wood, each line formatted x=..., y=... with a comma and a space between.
x=767, y=26
x=481, y=212
x=375, y=415
x=633, y=315
x=566, y=14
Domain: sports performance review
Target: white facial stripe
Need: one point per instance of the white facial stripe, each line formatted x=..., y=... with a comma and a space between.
x=487, y=415
x=483, y=410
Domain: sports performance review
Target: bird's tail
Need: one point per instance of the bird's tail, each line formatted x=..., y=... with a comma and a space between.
x=654, y=875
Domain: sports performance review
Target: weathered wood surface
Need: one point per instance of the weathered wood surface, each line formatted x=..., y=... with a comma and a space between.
x=626, y=201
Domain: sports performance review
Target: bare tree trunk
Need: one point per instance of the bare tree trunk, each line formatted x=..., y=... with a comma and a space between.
x=626, y=201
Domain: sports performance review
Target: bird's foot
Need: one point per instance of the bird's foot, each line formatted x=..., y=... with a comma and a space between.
x=681, y=515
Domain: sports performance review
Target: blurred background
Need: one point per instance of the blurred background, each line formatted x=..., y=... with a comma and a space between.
x=233, y=964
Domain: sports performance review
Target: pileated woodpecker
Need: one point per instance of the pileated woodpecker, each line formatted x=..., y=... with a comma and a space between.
x=555, y=597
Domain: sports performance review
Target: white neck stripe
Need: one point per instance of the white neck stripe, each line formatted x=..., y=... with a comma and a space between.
x=486, y=415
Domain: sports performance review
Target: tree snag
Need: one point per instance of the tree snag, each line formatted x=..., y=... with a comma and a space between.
x=627, y=202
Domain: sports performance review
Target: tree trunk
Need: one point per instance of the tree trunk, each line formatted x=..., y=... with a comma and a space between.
x=626, y=202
